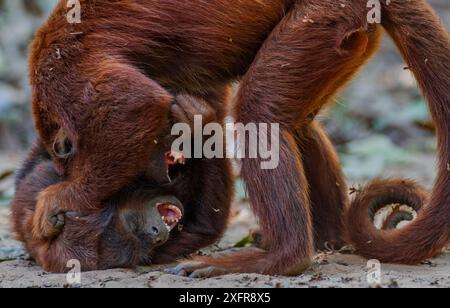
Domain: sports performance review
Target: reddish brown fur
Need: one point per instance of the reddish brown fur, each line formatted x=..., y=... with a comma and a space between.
x=327, y=186
x=99, y=239
x=360, y=230
x=80, y=239
x=111, y=89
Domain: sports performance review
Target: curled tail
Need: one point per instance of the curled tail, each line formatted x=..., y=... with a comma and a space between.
x=425, y=46
x=362, y=227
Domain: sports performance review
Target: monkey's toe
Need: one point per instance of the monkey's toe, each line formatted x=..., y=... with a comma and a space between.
x=208, y=272
x=183, y=269
x=179, y=115
x=74, y=215
x=196, y=270
x=57, y=220
x=185, y=108
x=176, y=271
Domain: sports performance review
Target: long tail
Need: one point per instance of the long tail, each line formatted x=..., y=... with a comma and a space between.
x=425, y=46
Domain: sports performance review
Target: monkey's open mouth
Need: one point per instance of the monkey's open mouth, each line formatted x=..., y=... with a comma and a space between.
x=174, y=158
x=175, y=162
x=170, y=214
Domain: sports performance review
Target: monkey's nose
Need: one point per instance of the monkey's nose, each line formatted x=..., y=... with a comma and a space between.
x=155, y=231
x=158, y=234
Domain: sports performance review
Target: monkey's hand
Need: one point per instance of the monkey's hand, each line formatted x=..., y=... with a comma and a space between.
x=186, y=107
x=51, y=213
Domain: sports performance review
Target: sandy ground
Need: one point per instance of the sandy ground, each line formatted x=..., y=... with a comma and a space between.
x=331, y=270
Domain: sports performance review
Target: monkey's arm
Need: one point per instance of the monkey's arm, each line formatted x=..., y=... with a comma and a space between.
x=116, y=134
x=210, y=186
x=207, y=213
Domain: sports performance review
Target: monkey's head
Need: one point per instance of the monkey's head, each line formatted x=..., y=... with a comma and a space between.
x=138, y=223
x=123, y=234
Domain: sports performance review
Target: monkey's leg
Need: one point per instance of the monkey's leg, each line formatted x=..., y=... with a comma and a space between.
x=290, y=79
x=328, y=188
x=117, y=131
x=327, y=185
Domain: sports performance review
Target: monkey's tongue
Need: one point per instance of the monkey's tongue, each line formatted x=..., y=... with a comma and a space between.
x=170, y=214
x=174, y=158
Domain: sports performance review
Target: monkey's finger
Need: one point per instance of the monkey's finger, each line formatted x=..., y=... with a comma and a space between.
x=75, y=215
x=198, y=106
x=179, y=115
x=187, y=104
x=208, y=272
x=57, y=221
x=175, y=271
x=183, y=269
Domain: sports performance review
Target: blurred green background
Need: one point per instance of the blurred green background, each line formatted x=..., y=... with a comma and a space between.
x=380, y=124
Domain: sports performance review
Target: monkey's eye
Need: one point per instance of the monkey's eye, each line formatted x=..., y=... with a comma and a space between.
x=62, y=147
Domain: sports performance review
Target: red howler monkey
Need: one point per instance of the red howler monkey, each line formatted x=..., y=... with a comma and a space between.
x=123, y=234
x=129, y=229
x=109, y=82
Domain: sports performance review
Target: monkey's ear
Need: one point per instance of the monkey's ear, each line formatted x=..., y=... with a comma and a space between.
x=353, y=42
x=56, y=132
x=63, y=146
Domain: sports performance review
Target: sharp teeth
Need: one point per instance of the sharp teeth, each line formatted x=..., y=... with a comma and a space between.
x=173, y=208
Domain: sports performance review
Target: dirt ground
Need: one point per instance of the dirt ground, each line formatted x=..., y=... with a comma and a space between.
x=332, y=270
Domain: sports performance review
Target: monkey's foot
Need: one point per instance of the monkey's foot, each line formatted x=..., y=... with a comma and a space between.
x=52, y=223
x=49, y=218
x=246, y=261
x=197, y=270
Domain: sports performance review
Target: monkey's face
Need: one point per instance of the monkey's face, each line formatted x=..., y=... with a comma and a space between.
x=152, y=221
x=137, y=227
